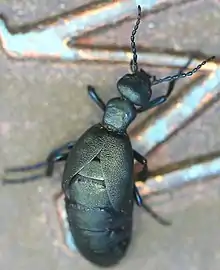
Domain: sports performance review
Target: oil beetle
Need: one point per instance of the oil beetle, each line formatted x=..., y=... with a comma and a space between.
x=98, y=180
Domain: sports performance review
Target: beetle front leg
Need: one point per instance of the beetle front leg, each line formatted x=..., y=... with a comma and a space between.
x=148, y=209
x=162, y=99
x=95, y=97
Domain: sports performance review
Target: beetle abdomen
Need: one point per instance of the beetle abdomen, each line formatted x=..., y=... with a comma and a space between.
x=101, y=234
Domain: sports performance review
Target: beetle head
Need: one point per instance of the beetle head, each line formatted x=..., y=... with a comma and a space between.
x=136, y=87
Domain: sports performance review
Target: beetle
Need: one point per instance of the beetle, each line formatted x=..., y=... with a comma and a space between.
x=98, y=179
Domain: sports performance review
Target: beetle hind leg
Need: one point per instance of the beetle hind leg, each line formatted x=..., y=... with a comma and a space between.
x=56, y=155
x=148, y=209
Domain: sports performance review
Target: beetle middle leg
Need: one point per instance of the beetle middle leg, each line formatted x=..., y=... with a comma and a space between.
x=94, y=96
x=142, y=176
x=144, y=173
x=57, y=155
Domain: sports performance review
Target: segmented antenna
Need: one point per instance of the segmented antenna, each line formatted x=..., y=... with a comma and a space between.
x=134, y=65
x=182, y=74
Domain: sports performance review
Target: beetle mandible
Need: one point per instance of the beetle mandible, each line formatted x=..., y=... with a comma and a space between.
x=98, y=179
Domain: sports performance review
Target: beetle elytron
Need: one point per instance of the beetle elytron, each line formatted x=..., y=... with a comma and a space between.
x=98, y=181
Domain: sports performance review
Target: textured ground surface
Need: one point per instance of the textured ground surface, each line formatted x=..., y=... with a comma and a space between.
x=45, y=104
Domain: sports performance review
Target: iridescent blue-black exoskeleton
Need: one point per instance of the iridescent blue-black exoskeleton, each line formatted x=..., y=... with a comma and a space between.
x=98, y=180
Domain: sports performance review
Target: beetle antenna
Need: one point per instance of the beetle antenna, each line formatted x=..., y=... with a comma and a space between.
x=182, y=74
x=134, y=65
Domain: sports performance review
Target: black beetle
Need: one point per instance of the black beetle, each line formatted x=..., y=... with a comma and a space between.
x=98, y=177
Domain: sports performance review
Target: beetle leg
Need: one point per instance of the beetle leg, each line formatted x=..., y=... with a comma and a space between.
x=143, y=174
x=160, y=100
x=51, y=160
x=30, y=168
x=6, y=180
x=55, y=156
x=94, y=96
x=137, y=196
x=148, y=209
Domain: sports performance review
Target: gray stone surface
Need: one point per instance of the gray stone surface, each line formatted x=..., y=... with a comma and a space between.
x=44, y=104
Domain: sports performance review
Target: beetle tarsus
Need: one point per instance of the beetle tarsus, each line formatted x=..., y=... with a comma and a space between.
x=148, y=209
x=8, y=181
x=159, y=219
x=55, y=156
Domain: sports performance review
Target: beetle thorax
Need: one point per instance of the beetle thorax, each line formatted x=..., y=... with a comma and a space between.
x=118, y=115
